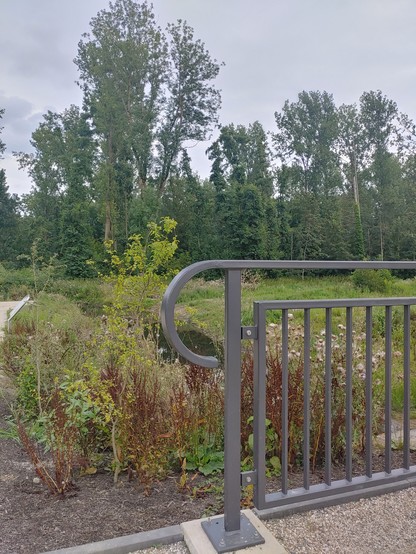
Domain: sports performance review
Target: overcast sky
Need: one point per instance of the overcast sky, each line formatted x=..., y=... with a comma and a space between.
x=272, y=50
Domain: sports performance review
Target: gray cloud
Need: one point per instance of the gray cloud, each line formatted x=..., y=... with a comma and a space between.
x=19, y=121
x=273, y=49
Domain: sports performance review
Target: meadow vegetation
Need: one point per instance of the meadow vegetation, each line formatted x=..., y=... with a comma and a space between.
x=94, y=391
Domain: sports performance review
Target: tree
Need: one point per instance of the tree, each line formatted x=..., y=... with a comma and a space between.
x=309, y=179
x=380, y=119
x=241, y=222
x=9, y=217
x=351, y=147
x=61, y=169
x=305, y=138
x=241, y=155
x=147, y=94
x=192, y=100
x=2, y=145
x=122, y=66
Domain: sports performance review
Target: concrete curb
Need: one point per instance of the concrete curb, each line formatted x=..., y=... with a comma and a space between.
x=128, y=543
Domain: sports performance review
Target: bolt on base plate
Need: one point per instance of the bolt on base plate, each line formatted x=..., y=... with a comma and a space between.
x=228, y=541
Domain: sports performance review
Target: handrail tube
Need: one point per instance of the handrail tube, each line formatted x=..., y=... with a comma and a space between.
x=179, y=281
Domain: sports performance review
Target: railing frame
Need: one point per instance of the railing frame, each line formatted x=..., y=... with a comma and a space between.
x=234, y=531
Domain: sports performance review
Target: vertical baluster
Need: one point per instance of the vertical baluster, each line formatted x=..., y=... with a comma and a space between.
x=387, y=391
x=306, y=395
x=285, y=398
x=328, y=389
x=406, y=388
x=368, y=392
x=259, y=445
x=348, y=392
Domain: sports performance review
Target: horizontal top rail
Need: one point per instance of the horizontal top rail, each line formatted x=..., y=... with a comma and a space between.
x=337, y=303
x=172, y=292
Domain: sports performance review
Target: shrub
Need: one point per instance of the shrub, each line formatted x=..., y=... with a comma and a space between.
x=372, y=280
x=197, y=414
x=60, y=439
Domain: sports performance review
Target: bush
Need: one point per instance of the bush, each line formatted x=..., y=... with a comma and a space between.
x=372, y=280
x=89, y=294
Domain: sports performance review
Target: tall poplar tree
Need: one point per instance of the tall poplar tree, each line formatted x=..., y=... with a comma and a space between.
x=147, y=93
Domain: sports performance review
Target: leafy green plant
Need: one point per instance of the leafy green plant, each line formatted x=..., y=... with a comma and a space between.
x=124, y=353
x=11, y=431
x=196, y=407
x=205, y=459
x=273, y=466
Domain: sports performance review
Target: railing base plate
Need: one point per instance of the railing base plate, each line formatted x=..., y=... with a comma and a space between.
x=226, y=541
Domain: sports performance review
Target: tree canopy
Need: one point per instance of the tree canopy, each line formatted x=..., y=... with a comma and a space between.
x=329, y=182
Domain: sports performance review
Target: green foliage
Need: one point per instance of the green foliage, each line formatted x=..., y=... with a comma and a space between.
x=127, y=355
x=27, y=391
x=138, y=277
x=373, y=280
x=205, y=459
x=16, y=283
x=273, y=465
x=332, y=183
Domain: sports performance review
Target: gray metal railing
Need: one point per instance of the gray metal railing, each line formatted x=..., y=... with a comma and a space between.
x=17, y=309
x=234, y=531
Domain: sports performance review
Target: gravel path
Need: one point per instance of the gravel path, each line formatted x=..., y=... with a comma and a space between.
x=384, y=524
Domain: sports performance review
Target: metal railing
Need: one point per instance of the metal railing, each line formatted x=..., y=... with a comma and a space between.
x=234, y=531
x=17, y=309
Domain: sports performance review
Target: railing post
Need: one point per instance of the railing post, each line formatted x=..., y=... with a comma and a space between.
x=234, y=530
x=232, y=431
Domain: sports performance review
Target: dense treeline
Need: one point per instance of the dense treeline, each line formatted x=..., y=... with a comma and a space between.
x=330, y=182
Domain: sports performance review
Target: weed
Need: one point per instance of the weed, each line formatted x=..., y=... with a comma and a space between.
x=61, y=436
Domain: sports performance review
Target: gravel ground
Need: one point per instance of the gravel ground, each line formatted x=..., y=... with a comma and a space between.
x=384, y=524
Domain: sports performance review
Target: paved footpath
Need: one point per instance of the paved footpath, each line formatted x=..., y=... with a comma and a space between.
x=4, y=308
